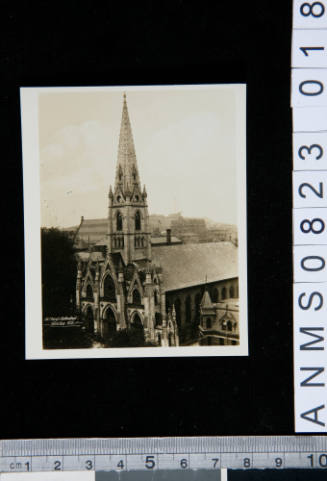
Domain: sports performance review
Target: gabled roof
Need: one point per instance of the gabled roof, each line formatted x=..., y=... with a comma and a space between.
x=189, y=265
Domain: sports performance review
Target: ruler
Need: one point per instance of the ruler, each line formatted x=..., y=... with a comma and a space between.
x=309, y=103
x=158, y=454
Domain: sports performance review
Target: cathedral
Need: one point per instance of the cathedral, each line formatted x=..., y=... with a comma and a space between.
x=127, y=282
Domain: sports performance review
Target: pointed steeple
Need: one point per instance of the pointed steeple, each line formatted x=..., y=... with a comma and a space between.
x=206, y=300
x=127, y=176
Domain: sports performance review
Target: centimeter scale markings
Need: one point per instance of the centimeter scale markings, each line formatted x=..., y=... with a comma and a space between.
x=309, y=103
x=148, y=454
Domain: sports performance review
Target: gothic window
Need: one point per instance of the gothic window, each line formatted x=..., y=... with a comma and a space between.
x=119, y=221
x=137, y=221
x=214, y=295
x=109, y=290
x=208, y=323
x=156, y=298
x=231, y=292
x=188, y=309
x=229, y=325
x=157, y=319
x=136, y=297
x=223, y=293
x=119, y=198
x=89, y=292
x=136, y=198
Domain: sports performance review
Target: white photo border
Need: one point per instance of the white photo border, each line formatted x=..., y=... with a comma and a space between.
x=32, y=225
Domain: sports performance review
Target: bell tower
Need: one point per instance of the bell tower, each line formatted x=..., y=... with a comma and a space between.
x=128, y=227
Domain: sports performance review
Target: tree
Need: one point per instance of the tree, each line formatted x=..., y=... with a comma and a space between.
x=58, y=272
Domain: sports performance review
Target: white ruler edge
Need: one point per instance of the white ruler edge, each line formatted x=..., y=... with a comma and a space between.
x=309, y=103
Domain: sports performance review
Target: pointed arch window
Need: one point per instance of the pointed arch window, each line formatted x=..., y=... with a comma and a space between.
x=136, y=297
x=156, y=300
x=231, y=292
x=109, y=290
x=119, y=223
x=137, y=220
x=214, y=295
x=89, y=292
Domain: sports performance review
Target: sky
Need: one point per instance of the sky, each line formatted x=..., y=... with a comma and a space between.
x=185, y=142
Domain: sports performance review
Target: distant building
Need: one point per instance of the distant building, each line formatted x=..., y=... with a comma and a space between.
x=130, y=279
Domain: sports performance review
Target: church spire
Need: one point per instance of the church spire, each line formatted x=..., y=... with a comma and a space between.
x=127, y=176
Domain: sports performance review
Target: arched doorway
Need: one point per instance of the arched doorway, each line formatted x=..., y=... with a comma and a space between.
x=137, y=332
x=137, y=323
x=109, y=324
x=89, y=319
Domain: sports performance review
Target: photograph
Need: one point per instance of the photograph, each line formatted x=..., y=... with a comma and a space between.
x=135, y=221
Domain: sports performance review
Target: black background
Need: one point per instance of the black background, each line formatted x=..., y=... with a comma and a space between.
x=152, y=42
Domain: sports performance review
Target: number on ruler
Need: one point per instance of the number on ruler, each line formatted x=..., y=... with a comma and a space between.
x=247, y=462
x=308, y=225
x=88, y=464
x=316, y=9
x=278, y=462
x=57, y=465
x=150, y=462
x=215, y=461
x=317, y=87
x=319, y=194
x=120, y=465
x=183, y=463
x=304, y=148
x=322, y=460
x=305, y=49
x=312, y=267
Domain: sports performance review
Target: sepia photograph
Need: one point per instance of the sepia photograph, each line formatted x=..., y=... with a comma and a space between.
x=135, y=221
